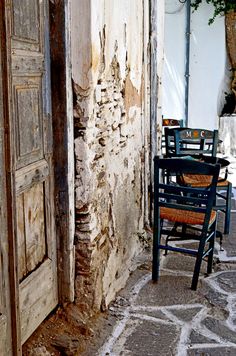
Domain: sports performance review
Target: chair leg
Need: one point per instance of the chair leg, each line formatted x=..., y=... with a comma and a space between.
x=228, y=209
x=156, y=255
x=198, y=264
x=166, y=251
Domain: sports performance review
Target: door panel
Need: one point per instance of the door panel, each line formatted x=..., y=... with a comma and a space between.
x=31, y=229
x=28, y=120
x=38, y=296
x=31, y=143
x=27, y=21
x=35, y=238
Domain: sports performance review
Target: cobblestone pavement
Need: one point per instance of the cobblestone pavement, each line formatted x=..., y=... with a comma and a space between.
x=168, y=318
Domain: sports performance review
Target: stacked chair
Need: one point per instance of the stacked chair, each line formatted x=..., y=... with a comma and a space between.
x=188, y=208
x=181, y=142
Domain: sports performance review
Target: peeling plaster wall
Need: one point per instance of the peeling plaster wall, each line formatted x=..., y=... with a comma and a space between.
x=110, y=140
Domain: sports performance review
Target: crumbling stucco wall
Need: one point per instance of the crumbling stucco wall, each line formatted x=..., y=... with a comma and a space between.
x=111, y=134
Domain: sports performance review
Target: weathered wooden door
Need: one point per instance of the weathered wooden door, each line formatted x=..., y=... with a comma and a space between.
x=30, y=146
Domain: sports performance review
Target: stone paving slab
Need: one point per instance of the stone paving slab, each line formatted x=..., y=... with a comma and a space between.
x=196, y=338
x=150, y=339
x=186, y=263
x=168, y=291
x=220, y=328
x=218, y=351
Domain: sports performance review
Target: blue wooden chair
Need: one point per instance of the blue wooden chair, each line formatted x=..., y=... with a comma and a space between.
x=188, y=141
x=197, y=142
x=189, y=209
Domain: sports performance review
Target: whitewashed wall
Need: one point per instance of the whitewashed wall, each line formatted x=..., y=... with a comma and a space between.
x=174, y=60
x=208, y=66
x=110, y=82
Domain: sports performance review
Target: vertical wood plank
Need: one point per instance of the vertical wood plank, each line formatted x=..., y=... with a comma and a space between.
x=3, y=335
x=21, y=245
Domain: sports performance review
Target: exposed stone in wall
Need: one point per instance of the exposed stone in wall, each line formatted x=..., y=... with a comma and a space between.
x=109, y=212
x=108, y=70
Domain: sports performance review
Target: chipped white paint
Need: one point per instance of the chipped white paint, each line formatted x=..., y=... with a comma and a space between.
x=120, y=29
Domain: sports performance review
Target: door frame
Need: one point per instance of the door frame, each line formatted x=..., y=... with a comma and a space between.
x=63, y=153
x=10, y=204
x=63, y=157
x=5, y=315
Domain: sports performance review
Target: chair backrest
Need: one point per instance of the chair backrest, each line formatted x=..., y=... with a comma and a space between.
x=171, y=123
x=188, y=141
x=182, y=197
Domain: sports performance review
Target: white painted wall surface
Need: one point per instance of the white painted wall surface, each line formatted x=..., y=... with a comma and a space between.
x=174, y=60
x=208, y=66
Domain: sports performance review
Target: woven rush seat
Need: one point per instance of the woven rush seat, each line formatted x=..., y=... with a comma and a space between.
x=185, y=216
x=201, y=180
